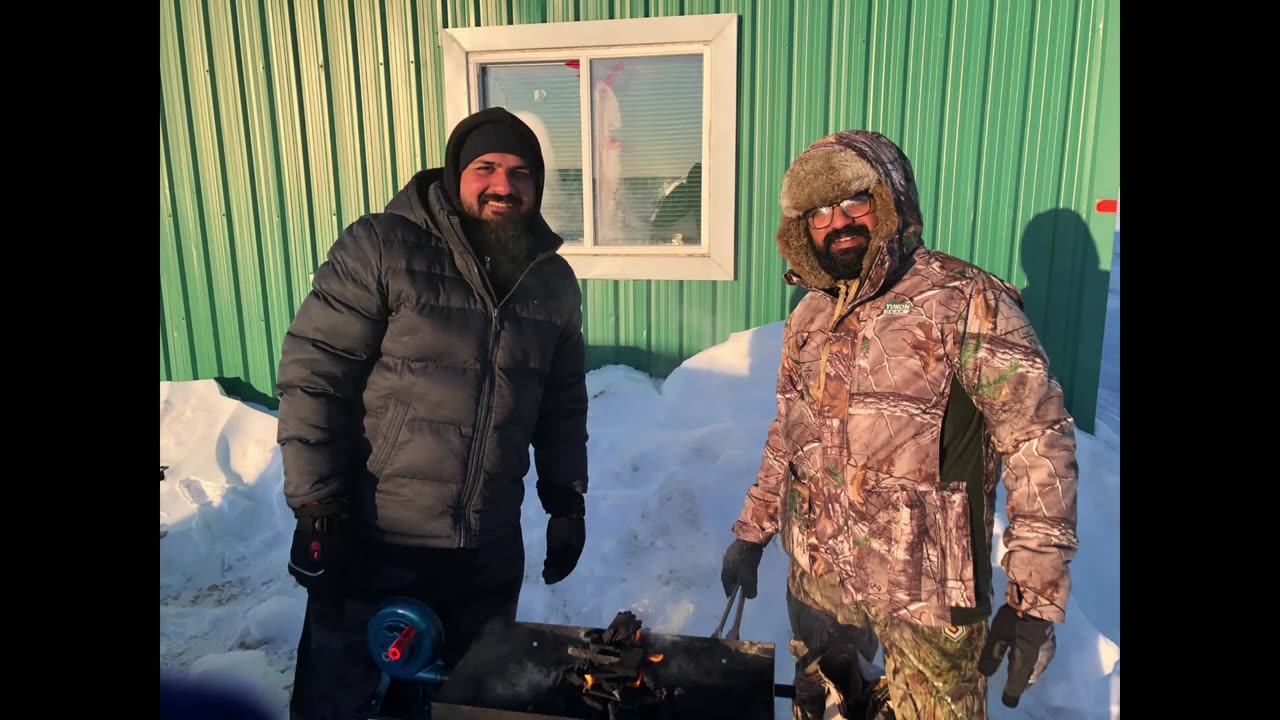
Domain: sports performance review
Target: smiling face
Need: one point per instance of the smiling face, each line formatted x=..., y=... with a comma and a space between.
x=841, y=234
x=497, y=188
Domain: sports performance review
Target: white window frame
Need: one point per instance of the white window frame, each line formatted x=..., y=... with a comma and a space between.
x=715, y=37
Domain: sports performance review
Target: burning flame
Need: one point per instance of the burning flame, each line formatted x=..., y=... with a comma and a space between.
x=637, y=635
x=589, y=680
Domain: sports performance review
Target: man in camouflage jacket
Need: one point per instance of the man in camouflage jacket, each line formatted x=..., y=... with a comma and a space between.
x=908, y=378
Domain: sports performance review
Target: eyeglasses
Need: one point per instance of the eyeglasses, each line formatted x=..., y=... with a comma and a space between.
x=853, y=208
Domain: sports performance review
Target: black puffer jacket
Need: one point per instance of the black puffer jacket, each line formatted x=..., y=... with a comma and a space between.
x=408, y=388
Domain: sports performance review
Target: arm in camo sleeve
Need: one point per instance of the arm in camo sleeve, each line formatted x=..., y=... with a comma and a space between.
x=1005, y=371
x=759, y=519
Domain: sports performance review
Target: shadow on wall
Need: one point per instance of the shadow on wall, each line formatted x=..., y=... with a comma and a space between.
x=242, y=390
x=1066, y=301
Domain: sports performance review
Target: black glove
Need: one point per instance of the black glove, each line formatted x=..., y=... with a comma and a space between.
x=741, y=561
x=1030, y=644
x=566, y=530
x=565, y=538
x=320, y=559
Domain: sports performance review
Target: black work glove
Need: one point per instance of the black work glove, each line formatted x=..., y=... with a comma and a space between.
x=741, y=561
x=1030, y=643
x=320, y=559
x=566, y=530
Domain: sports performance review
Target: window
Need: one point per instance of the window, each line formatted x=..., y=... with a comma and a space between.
x=638, y=125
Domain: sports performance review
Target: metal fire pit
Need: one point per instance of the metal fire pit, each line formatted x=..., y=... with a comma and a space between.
x=518, y=670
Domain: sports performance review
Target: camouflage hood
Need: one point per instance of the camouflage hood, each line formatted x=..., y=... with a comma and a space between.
x=833, y=169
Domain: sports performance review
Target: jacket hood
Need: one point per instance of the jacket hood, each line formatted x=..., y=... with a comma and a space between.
x=833, y=169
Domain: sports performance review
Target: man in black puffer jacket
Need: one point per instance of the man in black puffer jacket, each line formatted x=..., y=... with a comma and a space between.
x=441, y=338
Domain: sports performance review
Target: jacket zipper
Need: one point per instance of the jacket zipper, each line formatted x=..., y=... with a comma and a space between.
x=480, y=432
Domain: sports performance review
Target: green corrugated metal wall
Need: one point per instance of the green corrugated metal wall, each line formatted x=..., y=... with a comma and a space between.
x=282, y=121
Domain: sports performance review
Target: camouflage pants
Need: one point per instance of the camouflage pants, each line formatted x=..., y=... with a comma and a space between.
x=932, y=672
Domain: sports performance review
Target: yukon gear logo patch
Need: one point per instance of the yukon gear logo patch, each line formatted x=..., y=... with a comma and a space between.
x=897, y=308
x=953, y=632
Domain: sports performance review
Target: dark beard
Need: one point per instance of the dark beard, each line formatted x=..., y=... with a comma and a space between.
x=503, y=248
x=846, y=264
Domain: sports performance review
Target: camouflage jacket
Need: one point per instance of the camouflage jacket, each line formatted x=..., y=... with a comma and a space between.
x=851, y=475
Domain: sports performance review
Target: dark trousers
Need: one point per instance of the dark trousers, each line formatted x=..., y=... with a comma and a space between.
x=470, y=589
